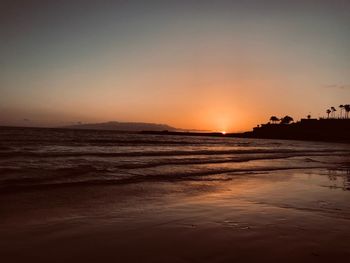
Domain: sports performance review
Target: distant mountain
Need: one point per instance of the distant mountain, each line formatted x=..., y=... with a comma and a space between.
x=123, y=126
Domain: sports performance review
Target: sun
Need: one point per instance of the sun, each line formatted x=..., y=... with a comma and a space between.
x=223, y=132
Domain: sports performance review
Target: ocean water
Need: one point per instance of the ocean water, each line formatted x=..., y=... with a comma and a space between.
x=101, y=196
x=33, y=158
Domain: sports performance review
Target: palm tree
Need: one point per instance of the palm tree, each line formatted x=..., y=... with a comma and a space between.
x=333, y=111
x=274, y=119
x=328, y=112
x=286, y=120
x=347, y=110
x=341, y=106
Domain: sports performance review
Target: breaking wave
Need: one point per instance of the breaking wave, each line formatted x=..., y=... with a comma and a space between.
x=42, y=158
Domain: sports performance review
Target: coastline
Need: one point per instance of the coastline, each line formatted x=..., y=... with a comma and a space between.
x=318, y=130
x=252, y=135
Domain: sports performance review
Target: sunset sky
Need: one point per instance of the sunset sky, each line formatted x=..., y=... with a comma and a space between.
x=210, y=65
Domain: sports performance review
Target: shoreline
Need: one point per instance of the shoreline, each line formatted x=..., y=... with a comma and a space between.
x=246, y=135
x=314, y=137
x=247, y=218
x=92, y=196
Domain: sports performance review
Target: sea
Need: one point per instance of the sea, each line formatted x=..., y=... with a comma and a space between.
x=32, y=158
x=103, y=196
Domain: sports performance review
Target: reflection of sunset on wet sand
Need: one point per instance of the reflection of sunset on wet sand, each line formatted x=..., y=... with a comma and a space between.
x=221, y=218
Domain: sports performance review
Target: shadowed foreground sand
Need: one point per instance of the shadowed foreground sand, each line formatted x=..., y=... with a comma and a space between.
x=289, y=216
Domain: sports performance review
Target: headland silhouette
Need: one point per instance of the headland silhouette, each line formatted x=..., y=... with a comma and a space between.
x=334, y=128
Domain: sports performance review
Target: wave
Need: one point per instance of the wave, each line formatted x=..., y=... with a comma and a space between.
x=102, y=142
x=238, y=159
x=77, y=176
x=49, y=159
x=162, y=153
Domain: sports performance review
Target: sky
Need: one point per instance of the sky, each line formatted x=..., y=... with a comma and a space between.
x=208, y=65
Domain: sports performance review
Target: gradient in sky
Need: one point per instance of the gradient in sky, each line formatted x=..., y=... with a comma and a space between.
x=212, y=65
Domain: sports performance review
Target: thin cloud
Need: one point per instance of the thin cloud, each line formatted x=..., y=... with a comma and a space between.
x=338, y=86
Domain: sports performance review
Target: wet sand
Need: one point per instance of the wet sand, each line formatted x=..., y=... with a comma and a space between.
x=289, y=216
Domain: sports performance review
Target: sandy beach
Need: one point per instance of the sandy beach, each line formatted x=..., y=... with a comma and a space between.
x=289, y=216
